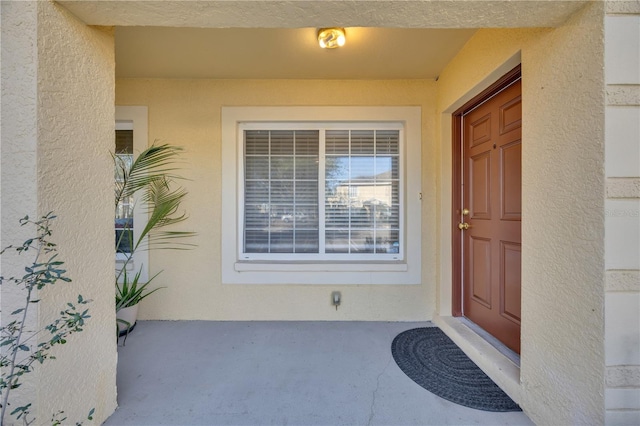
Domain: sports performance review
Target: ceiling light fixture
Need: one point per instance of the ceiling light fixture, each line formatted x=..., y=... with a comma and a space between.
x=330, y=38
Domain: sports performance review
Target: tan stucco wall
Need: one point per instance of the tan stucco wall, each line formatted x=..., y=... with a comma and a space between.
x=187, y=113
x=57, y=134
x=18, y=149
x=562, y=360
x=562, y=363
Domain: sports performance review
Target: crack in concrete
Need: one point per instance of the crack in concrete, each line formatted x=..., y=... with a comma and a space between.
x=372, y=411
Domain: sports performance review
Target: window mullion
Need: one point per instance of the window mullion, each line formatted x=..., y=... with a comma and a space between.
x=375, y=191
x=322, y=190
x=269, y=193
x=294, y=213
x=349, y=179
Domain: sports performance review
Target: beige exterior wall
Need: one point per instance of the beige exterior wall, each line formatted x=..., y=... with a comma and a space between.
x=18, y=149
x=50, y=62
x=622, y=213
x=562, y=360
x=187, y=113
x=57, y=131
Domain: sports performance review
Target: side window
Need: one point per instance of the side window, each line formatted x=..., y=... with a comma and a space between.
x=131, y=138
x=124, y=209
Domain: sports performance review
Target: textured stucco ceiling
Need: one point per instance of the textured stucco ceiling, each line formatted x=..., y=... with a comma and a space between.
x=370, y=53
x=322, y=13
x=276, y=39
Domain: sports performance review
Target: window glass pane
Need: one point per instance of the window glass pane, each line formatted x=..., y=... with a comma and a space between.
x=360, y=216
x=337, y=142
x=281, y=203
x=307, y=217
x=256, y=193
x=387, y=241
x=256, y=142
x=306, y=192
x=362, y=142
x=124, y=237
x=386, y=168
x=387, y=142
x=257, y=168
x=124, y=209
x=256, y=241
x=281, y=142
x=281, y=241
x=307, y=168
x=124, y=141
x=362, y=192
x=362, y=241
x=306, y=241
x=362, y=168
x=337, y=242
x=336, y=208
x=256, y=215
x=281, y=168
x=306, y=142
x=282, y=192
x=337, y=168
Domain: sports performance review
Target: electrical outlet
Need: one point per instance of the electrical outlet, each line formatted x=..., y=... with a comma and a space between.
x=336, y=298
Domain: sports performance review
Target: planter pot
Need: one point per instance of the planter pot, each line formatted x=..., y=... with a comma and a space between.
x=128, y=314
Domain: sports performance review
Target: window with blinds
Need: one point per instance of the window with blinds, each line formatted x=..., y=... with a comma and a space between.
x=320, y=193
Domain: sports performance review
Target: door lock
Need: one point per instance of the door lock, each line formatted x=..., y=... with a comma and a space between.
x=465, y=212
x=463, y=225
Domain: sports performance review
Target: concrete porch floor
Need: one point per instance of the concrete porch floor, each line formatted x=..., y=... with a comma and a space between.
x=276, y=373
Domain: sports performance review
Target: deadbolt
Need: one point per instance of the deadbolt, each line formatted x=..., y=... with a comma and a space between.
x=463, y=225
x=465, y=212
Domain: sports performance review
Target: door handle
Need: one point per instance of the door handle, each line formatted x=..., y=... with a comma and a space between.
x=463, y=225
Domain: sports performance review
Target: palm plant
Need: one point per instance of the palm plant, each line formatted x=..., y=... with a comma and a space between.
x=152, y=175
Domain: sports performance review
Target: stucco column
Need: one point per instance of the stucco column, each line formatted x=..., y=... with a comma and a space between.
x=57, y=122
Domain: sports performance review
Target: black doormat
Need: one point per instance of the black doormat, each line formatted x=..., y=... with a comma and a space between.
x=433, y=361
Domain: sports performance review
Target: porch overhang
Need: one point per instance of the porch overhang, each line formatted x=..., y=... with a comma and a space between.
x=319, y=13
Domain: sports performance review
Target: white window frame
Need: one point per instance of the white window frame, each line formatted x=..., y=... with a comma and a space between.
x=135, y=118
x=237, y=269
x=321, y=127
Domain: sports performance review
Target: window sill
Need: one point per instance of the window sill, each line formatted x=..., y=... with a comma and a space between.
x=321, y=273
x=319, y=267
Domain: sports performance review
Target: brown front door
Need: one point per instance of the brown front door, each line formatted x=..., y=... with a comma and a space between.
x=491, y=207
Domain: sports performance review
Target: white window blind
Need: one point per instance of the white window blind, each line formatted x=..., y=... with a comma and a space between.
x=362, y=202
x=281, y=191
x=330, y=192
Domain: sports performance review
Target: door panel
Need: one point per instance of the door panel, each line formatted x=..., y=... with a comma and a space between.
x=480, y=252
x=510, y=281
x=480, y=185
x=491, y=245
x=480, y=131
x=510, y=167
x=510, y=115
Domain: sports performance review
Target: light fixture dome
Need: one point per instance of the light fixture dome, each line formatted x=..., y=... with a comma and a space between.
x=330, y=38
